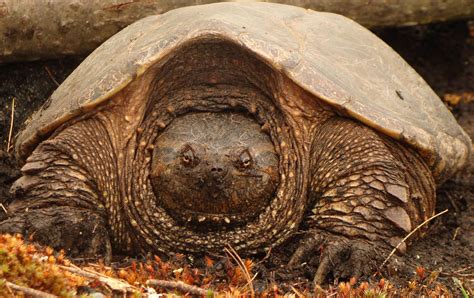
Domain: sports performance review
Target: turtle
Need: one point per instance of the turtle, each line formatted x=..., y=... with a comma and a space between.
x=242, y=125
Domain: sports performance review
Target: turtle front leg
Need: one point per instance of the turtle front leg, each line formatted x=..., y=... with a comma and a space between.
x=367, y=193
x=57, y=200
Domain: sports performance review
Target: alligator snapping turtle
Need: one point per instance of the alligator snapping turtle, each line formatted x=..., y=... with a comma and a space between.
x=237, y=124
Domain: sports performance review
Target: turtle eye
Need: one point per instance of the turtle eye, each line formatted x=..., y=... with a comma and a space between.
x=245, y=159
x=188, y=156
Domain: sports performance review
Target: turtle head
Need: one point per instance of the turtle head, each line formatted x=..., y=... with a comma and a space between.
x=214, y=168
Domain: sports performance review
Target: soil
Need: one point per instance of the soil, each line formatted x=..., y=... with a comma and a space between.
x=442, y=53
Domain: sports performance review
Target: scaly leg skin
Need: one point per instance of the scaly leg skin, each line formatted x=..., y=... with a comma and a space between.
x=367, y=193
x=56, y=202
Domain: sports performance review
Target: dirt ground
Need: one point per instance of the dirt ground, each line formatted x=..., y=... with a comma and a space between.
x=442, y=53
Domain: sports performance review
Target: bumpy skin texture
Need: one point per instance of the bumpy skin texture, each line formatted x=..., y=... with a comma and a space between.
x=164, y=166
x=367, y=191
x=217, y=167
x=60, y=204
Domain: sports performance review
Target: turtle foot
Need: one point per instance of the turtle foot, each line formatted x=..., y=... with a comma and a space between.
x=339, y=256
x=81, y=233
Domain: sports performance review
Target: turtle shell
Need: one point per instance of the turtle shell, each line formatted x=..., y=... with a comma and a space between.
x=328, y=55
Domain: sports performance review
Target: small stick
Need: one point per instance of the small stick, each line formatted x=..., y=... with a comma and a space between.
x=51, y=76
x=231, y=251
x=464, y=269
x=459, y=272
x=409, y=235
x=113, y=283
x=11, y=126
x=460, y=275
x=450, y=198
x=180, y=286
x=4, y=209
x=249, y=282
x=266, y=256
x=456, y=233
x=298, y=293
x=29, y=291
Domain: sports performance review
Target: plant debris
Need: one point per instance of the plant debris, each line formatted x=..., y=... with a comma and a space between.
x=36, y=271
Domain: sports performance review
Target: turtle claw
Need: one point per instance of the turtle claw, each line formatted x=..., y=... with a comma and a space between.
x=343, y=260
x=306, y=249
x=339, y=257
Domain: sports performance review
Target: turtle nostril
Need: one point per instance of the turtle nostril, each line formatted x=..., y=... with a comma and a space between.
x=218, y=171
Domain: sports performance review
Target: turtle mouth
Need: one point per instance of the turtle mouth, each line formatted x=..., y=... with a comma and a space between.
x=216, y=205
x=202, y=221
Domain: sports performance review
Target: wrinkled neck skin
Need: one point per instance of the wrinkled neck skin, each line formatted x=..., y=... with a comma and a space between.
x=201, y=79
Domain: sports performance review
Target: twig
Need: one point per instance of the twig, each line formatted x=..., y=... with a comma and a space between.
x=464, y=269
x=409, y=235
x=456, y=233
x=29, y=291
x=250, y=281
x=461, y=272
x=51, y=76
x=9, y=146
x=4, y=209
x=180, y=286
x=298, y=293
x=266, y=256
x=318, y=289
x=460, y=275
x=92, y=271
x=113, y=283
x=10, y=291
x=231, y=251
x=451, y=200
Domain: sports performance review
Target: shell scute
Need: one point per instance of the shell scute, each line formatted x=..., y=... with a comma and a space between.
x=328, y=55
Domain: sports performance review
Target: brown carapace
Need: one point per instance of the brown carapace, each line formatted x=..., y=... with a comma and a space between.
x=206, y=127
